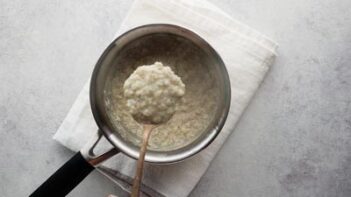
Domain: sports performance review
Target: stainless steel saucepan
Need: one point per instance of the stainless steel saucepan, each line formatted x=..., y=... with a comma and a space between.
x=141, y=44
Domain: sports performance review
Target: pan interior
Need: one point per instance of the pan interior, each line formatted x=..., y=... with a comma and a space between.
x=195, y=116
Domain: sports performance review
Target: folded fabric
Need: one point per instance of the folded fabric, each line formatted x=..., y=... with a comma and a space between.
x=247, y=55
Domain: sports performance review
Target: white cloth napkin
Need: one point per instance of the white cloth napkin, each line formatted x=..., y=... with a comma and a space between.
x=247, y=55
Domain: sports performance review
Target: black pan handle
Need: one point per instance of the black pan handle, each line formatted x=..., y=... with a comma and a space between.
x=65, y=179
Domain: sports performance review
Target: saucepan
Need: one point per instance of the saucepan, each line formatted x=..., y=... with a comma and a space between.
x=143, y=44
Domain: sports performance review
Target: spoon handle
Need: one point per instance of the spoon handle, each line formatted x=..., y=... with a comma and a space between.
x=140, y=165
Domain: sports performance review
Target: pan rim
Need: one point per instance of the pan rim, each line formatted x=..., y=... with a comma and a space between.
x=163, y=157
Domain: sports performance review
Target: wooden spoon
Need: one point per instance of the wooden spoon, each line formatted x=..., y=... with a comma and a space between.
x=147, y=128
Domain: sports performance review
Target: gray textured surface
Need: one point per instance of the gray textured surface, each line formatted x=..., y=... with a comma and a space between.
x=293, y=140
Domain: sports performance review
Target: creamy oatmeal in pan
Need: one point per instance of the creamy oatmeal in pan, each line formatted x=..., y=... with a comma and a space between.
x=193, y=114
